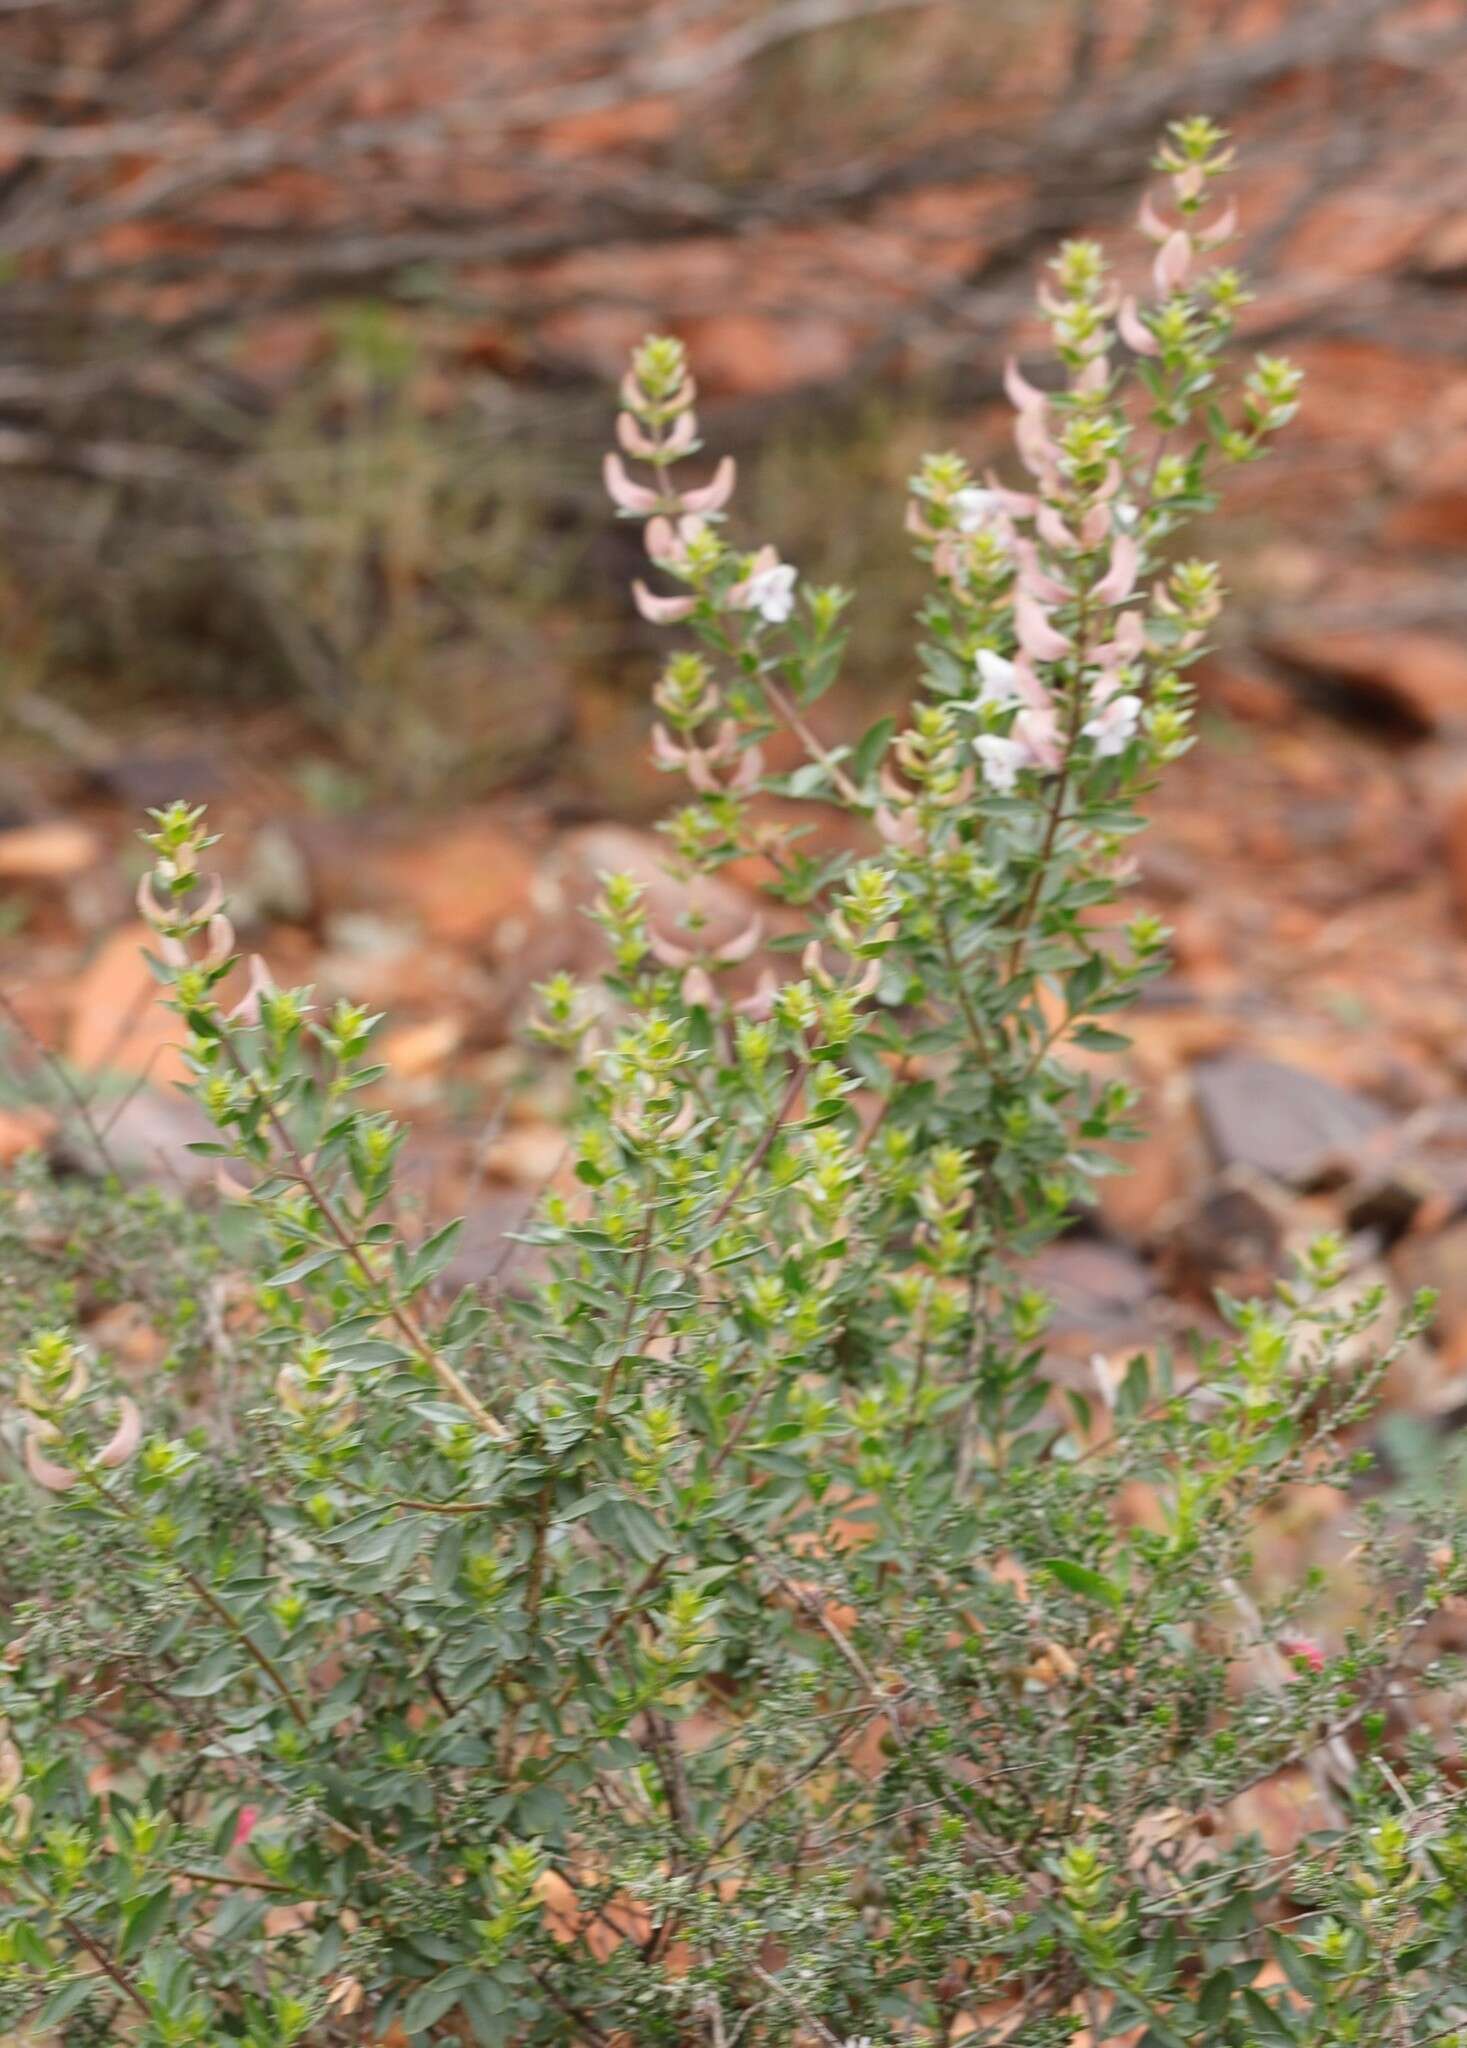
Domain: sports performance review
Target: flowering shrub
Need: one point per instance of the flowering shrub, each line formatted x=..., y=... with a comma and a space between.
x=744, y=1638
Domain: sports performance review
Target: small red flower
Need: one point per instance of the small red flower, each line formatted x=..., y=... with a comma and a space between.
x=1303, y=1648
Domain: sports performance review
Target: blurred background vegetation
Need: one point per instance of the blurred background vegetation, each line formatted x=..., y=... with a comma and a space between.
x=311, y=310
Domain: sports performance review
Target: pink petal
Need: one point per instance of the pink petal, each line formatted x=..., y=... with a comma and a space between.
x=1222, y=229
x=743, y=944
x=1037, y=579
x=1052, y=529
x=662, y=611
x=697, y=992
x=1130, y=634
x=260, y=985
x=749, y=770
x=1116, y=585
x=662, y=540
x=55, y=1478
x=712, y=497
x=665, y=749
x=623, y=492
x=684, y=433
x=1036, y=450
x=633, y=440
x=1038, y=732
x=1173, y=262
x=125, y=1439
x=669, y=954
x=1031, y=690
x=1018, y=504
x=1134, y=332
x=1022, y=395
x=1094, y=376
x=1036, y=635
x=1151, y=222
x=1095, y=525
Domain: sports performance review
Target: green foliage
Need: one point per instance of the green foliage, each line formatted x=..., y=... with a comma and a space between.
x=742, y=1638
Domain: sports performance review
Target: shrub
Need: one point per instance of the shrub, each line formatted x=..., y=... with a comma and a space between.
x=745, y=1637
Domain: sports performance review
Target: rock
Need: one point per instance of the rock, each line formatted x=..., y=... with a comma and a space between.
x=464, y=884
x=1419, y=677
x=118, y=1022
x=28, y=1129
x=1232, y=1236
x=56, y=851
x=527, y=1155
x=1101, y=1296
x=752, y=353
x=1442, y=253
x=1278, y=1119
x=1438, y=1260
x=277, y=884
x=412, y=1052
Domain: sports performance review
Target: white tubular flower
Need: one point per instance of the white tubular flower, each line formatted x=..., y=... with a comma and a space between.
x=1001, y=760
x=768, y=589
x=998, y=681
x=1113, y=726
x=974, y=509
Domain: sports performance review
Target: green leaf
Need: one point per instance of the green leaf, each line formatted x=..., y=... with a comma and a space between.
x=142, y=1918
x=300, y=1269
x=434, y=1999
x=1088, y=1584
x=68, y=1999
x=872, y=746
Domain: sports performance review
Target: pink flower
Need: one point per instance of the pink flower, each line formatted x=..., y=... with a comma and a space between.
x=1150, y=221
x=261, y=984
x=1037, y=580
x=627, y=496
x=125, y=1439
x=1052, y=529
x=55, y=1478
x=245, y=1825
x=1303, y=1648
x=1022, y=395
x=1119, y=580
x=713, y=496
x=1038, y=638
x=662, y=611
x=1222, y=229
x=1134, y=332
x=1173, y=262
x=1037, y=730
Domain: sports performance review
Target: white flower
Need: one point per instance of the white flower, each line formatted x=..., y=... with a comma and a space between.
x=973, y=509
x=1002, y=759
x=771, y=592
x=1114, y=724
x=998, y=681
